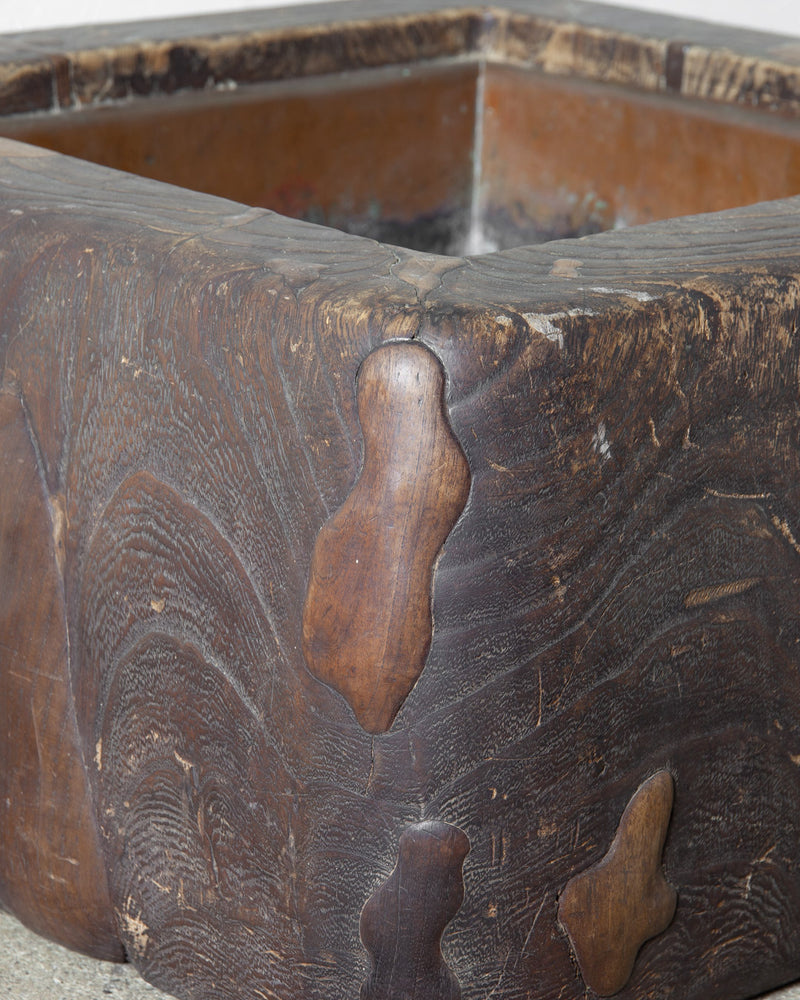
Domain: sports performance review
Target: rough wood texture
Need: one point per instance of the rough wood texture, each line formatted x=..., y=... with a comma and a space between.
x=612, y=908
x=52, y=872
x=628, y=408
x=367, y=618
x=619, y=594
x=44, y=70
x=402, y=923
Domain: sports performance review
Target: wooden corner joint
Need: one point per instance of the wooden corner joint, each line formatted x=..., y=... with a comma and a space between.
x=611, y=909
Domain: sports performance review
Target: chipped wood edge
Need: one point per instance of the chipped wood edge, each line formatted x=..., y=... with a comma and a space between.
x=66, y=70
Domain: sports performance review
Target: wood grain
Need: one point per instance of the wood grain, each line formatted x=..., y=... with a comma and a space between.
x=627, y=404
x=52, y=872
x=279, y=145
x=403, y=921
x=367, y=617
x=464, y=127
x=612, y=908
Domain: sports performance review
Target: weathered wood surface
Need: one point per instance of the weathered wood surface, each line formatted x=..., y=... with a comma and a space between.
x=46, y=70
x=618, y=597
x=282, y=146
x=51, y=866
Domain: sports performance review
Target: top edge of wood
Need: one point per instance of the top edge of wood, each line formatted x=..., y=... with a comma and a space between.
x=61, y=68
x=623, y=20
x=631, y=267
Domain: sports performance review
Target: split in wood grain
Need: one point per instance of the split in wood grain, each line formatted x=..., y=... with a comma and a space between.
x=611, y=909
x=403, y=922
x=367, y=620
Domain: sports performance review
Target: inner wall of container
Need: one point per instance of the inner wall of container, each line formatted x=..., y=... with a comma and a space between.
x=384, y=153
x=563, y=157
x=448, y=157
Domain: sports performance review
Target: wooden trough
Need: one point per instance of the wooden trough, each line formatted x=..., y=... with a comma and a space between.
x=401, y=599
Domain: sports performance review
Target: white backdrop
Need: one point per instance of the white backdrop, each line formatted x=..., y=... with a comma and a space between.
x=781, y=16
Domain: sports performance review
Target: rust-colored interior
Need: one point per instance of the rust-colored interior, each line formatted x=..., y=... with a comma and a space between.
x=451, y=156
x=566, y=157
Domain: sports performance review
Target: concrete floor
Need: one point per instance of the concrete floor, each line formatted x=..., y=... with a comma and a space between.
x=34, y=969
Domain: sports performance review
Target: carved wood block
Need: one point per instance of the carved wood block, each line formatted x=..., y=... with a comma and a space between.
x=367, y=618
x=349, y=592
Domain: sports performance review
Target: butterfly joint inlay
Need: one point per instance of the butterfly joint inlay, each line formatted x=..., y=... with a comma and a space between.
x=367, y=622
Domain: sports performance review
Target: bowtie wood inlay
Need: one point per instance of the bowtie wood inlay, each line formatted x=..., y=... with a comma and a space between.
x=403, y=921
x=367, y=619
x=610, y=910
